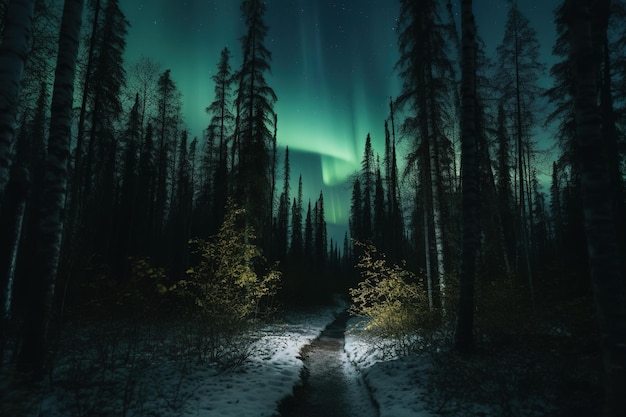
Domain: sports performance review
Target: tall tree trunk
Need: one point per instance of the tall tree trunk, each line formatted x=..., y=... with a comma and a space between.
x=32, y=354
x=597, y=197
x=11, y=220
x=437, y=191
x=520, y=166
x=429, y=273
x=76, y=192
x=465, y=314
x=18, y=22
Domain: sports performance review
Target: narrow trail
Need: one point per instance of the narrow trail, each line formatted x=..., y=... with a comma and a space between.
x=332, y=387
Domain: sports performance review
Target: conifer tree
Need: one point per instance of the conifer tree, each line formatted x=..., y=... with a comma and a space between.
x=166, y=129
x=561, y=97
x=320, y=237
x=145, y=239
x=80, y=170
x=180, y=219
x=127, y=206
x=379, y=232
x=518, y=77
x=104, y=111
x=427, y=74
x=255, y=119
x=282, y=221
x=214, y=188
x=296, y=223
x=367, y=192
x=356, y=213
x=394, y=222
x=308, y=233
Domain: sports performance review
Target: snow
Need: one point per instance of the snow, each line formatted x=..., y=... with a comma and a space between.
x=397, y=383
x=134, y=373
x=177, y=386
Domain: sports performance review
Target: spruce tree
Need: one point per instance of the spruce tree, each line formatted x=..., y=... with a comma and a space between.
x=517, y=77
x=166, y=132
x=296, y=223
x=282, y=221
x=356, y=213
x=427, y=76
x=214, y=188
x=320, y=239
x=104, y=112
x=367, y=192
x=255, y=119
x=308, y=234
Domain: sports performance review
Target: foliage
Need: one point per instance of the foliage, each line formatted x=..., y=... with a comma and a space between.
x=225, y=291
x=391, y=297
x=146, y=284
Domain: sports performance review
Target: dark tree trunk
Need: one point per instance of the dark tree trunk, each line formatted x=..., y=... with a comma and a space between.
x=598, y=205
x=32, y=355
x=465, y=314
x=16, y=34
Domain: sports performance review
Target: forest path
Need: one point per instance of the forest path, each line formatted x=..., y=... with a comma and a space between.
x=332, y=386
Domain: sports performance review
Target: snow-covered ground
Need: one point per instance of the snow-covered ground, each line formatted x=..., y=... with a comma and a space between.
x=436, y=381
x=176, y=386
x=126, y=374
x=397, y=383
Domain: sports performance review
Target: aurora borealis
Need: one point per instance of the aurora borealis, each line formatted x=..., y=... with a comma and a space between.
x=332, y=70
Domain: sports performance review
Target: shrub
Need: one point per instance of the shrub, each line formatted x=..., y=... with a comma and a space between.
x=225, y=291
x=391, y=297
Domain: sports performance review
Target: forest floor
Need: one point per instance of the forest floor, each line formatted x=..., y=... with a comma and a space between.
x=309, y=359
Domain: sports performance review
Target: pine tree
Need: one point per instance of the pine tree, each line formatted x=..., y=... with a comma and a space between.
x=145, y=239
x=517, y=78
x=356, y=213
x=427, y=75
x=220, y=130
x=308, y=234
x=296, y=224
x=105, y=110
x=180, y=218
x=561, y=97
x=282, y=221
x=166, y=125
x=395, y=221
x=127, y=215
x=379, y=232
x=320, y=240
x=367, y=192
x=80, y=171
x=255, y=120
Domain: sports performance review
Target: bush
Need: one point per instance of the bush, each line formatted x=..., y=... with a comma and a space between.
x=392, y=298
x=224, y=293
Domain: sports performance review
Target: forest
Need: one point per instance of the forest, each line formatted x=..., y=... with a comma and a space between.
x=464, y=231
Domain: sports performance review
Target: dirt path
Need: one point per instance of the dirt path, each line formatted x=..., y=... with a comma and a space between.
x=332, y=387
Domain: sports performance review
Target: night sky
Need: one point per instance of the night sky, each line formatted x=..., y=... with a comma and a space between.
x=332, y=70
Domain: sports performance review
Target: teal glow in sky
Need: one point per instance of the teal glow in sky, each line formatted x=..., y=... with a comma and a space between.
x=332, y=71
